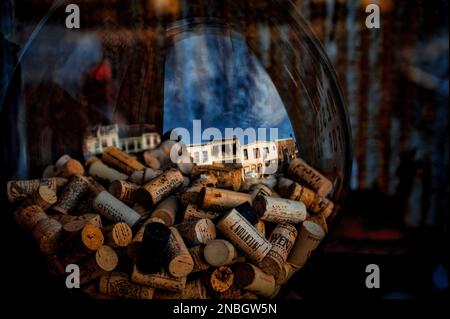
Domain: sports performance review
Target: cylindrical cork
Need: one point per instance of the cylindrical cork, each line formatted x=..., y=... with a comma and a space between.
x=103, y=172
x=308, y=239
x=116, y=158
x=286, y=273
x=160, y=187
x=180, y=262
x=251, y=278
x=206, y=180
x=193, y=212
x=118, y=284
x=104, y=260
x=70, y=168
x=319, y=220
x=113, y=209
x=152, y=253
x=60, y=162
x=193, y=290
x=161, y=280
x=47, y=234
x=261, y=227
x=80, y=240
x=125, y=191
x=220, y=252
x=197, y=231
x=247, y=211
x=316, y=204
x=260, y=189
x=244, y=235
x=71, y=195
x=219, y=279
x=44, y=197
x=301, y=172
x=283, y=185
x=118, y=235
x=151, y=160
x=145, y=176
x=134, y=246
x=166, y=210
x=282, y=239
x=197, y=253
x=190, y=195
x=280, y=210
x=28, y=216
x=92, y=219
x=221, y=199
x=20, y=190
x=142, y=210
x=185, y=165
x=225, y=177
x=90, y=290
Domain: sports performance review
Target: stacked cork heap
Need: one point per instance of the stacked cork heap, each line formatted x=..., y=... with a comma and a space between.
x=164, y=230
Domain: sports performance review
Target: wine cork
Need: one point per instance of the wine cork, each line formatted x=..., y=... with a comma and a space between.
x=60, y=162
x=104, y=260
x=247, y=211
x=141, y=210
x=151, y=160
x=160, y=280
x=193, y=290
x=225, y=177
x=160, y=187
x=287, y=271
x=134, y=245
x=47, y=234
x=118, y=285
x=118, y=235
x=197, y=231
x=319, y=220
x=44, y=197
x=206, y=180
x=63, y=219
x=314, y=203
x=28, y=216
x=71, y=195
x=190, y=195
x=120, y=160
x=80, y=240
x=92, y=219
x=221, y=199
x=145, y=176
x=280, y=210
x=244, y=235
x=219, y=279
x=166, y=210
x=180, y=262
x=251, y=278
x=309, y=237
x=185, y=165
x=71, y=168
x=124, y=191
x=261, y=227
x=94, y=186
x=113, y=209
x=220, y=252
x=193, y=212
x=301, y=172
x=283, y=185
x=152, y=253
x=282, y=239
x=260, y=189
x=103, y=172
x=20, y=190
x=197, y=254
x=166, y=147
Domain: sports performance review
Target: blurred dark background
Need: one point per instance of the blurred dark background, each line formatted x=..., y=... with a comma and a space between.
x=395, y=82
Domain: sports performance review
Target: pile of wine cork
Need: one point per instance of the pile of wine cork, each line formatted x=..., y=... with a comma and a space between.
x=146, y=228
